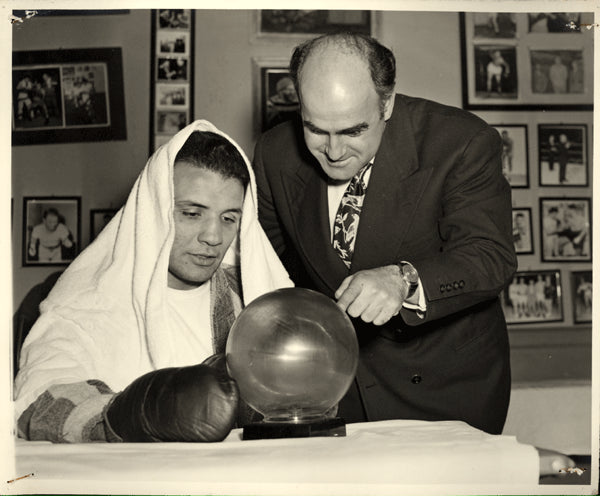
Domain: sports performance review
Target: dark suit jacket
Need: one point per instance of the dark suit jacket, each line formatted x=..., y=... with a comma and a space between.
x=436, y=198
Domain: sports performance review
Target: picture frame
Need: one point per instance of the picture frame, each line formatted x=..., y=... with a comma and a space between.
x=51, y=230
x=522, y=230
x=62, y=96
x=526, y=61
x=172, y=69
x=275, y=96
x=562, y=155
x=99, y=218
x=566, y=229
x=533, y=297
x=582, y=296
x=308, y=23
x=515, y=153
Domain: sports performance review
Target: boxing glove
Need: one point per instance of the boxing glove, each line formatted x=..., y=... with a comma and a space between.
x=195, y=404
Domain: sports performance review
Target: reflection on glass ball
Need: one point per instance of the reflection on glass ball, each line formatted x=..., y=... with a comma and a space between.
x=293, y=353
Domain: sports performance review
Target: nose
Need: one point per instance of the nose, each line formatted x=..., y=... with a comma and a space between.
x=211, y=232
x=334, y=149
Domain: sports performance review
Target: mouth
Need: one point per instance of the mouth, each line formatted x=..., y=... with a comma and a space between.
x=204, y=260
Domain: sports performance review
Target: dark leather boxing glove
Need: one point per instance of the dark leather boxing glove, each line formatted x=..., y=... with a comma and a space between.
x=195, y=404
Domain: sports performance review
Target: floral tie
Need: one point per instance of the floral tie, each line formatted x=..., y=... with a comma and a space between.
x=345, y=225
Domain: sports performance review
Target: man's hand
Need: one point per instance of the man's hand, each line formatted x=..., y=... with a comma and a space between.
x=374, y=295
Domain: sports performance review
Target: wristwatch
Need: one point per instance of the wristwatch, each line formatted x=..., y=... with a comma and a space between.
x=410, y=276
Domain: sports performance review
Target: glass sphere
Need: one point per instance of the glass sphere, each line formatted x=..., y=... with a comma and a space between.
x=293, y=353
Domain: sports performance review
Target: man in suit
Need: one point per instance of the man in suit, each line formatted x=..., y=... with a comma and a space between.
x=423, y=264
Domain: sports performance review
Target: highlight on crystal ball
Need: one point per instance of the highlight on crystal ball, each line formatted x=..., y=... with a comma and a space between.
x=293, y=353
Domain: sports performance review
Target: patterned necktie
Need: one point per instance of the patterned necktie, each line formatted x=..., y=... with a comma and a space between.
x=345, y=225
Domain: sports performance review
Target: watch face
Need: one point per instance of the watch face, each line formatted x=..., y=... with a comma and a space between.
x=410, y=274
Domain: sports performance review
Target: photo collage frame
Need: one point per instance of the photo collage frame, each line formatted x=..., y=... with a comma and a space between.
x=172, y=61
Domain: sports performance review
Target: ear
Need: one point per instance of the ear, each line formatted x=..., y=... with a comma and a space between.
x=389, y=107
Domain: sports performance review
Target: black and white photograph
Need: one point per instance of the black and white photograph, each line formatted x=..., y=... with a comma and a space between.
x=557, y=71
x=169, y=122
x=173, y=18
x=99, y=218
x=533, y=297
x=562, y=152
x=496, y=71
x=67, y=96
x=554, y=22
x=566, y=229
x=278, y=97
x=301, y=252
x=515, y=154
x=522, y=230
x=171, y=95
x=51, y=233
x=172, y=69
x=172, y=42
x=494, y=25
x=582, y=296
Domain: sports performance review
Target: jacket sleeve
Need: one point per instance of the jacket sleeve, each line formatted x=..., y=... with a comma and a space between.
x=68, y=413
x=477, y=257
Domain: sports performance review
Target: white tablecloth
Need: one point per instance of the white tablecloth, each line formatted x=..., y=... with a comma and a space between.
x=380, y=457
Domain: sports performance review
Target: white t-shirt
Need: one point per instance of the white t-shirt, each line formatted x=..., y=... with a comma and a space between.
x=189, y=314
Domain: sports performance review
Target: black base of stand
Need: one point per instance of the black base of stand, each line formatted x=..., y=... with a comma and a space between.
x=275, y=430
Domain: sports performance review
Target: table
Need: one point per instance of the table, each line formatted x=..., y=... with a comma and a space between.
x=376, y=457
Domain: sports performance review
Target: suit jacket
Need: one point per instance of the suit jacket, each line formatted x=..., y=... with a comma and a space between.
x=436, y=198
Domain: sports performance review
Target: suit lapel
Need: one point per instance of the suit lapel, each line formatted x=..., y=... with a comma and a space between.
x=307, y=195
x=394, y=190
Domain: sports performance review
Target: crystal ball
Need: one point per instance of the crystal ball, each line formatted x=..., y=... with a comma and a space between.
x=293, y=353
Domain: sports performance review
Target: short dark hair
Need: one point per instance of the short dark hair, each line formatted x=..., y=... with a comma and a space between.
x=50, y=211
x=216, y=153
x=380, y=59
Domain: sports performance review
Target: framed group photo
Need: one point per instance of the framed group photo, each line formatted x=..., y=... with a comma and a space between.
x=515, y=154
x=526, y=60
x=533, y=297
x=582, y=298
x=64, y=96
x=51, y=230
x=99, y=218
x=566, y=229
x=307, y=23
x=522, y=230
x=275, y=94
x=562, y=152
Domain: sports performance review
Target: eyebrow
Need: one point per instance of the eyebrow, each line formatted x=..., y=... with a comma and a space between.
x=188, y=203
x=350, y=130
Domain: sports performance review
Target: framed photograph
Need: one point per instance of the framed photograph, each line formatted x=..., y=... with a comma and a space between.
x=533, y=297
x=311, y=22
x=172, y=42
x=566, y=226
x=522, y=230
x=170, y=122
x=64, y=96
x=172, y=95
x=174, y=19
x=527, y=61
x=172, y=69
x=98, y=219
x=275, y=94
x=515, y=154
x=51, y=230
x=581, y=296
x=562, y=152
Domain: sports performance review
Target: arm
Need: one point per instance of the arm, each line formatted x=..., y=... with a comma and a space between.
x=475, y=228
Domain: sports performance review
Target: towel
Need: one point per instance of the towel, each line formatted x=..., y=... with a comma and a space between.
x=106, y=317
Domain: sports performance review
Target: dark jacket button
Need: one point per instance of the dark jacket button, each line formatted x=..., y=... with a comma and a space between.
x=448, y=287
x=442, y=288
x=416, y=379
x=456, y=285
x=461, y=283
